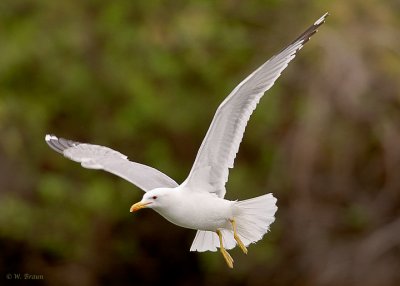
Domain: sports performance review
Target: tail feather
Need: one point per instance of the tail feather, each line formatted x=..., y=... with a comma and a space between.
x=253, y=218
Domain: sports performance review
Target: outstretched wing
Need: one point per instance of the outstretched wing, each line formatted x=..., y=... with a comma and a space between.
x=100, y=157
x=221, y=143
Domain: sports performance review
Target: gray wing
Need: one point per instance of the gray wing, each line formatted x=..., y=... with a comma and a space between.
x=100, y=157
x=221, y=143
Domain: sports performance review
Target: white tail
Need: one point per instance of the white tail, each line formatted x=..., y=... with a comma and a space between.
x=253, y=218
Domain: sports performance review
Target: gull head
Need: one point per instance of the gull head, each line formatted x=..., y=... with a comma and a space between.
x=154, y=199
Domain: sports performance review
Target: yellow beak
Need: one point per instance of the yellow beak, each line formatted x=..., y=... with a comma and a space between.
x=139, y=206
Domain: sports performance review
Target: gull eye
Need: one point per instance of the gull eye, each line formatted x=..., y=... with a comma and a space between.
x=154, y=197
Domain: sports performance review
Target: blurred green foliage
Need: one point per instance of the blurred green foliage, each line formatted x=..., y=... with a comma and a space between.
x=145, y=78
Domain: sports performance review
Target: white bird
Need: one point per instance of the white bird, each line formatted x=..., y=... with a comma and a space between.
x=198, y=203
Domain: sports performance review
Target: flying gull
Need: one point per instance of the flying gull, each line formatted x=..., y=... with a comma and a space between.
x=198, y=203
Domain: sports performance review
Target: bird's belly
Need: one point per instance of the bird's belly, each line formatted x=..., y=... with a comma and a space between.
x=210, y=216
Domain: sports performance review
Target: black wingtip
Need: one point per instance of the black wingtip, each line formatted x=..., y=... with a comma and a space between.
x=307, y=34
x=59, y=144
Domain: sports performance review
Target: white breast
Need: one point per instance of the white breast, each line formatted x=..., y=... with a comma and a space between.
x=197, y=210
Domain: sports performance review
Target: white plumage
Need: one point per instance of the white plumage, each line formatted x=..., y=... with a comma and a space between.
x=199, y=203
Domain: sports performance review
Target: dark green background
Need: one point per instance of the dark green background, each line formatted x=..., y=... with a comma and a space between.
x=145, y=78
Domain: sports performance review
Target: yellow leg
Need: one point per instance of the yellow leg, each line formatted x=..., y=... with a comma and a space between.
x=236, y=237
x=224, y=253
